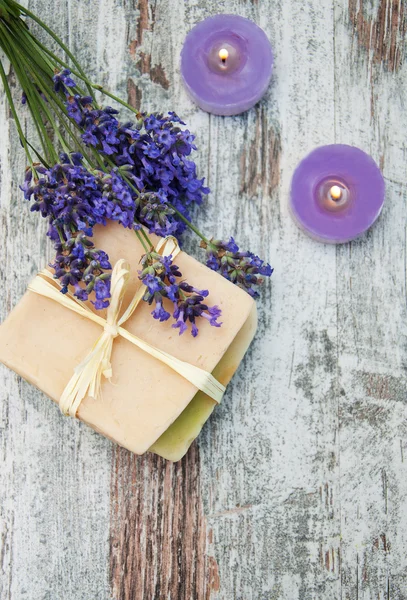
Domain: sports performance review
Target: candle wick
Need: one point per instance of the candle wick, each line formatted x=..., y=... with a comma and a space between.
x=335, y=193
x=223, y=55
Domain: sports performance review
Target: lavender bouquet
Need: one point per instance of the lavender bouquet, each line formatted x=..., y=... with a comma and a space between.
x=109, y=186
x=90, y=167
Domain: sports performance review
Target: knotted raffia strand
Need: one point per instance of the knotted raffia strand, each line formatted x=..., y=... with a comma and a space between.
x=86, y=380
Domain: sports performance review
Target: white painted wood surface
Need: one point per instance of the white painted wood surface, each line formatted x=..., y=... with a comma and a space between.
x=301, y=491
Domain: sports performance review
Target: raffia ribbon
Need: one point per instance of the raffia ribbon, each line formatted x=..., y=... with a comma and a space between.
x=86, y=380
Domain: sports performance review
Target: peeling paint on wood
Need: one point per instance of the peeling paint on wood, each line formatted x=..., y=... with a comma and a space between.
x=156, y=73
x=382, y=34
x=384, y=387
x=260, y=158
x=134, y=95
x=145, y=22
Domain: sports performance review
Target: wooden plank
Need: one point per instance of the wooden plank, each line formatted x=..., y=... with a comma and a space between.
x=372, y=309
x=269, y=455
x=158, y=529
x=55, y=473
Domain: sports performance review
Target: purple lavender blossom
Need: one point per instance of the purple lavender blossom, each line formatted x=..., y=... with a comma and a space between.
x=153, y=150
x=80, y=265
x=102, y=292
x=154, y=211
x=67, y=195
x=116, y=201
x=62, y=81
x=245, y=269
x=160, y=276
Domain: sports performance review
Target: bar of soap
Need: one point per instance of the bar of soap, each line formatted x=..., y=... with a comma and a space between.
x=146, y=405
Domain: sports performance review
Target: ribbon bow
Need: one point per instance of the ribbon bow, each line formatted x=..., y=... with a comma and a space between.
x=86, y=380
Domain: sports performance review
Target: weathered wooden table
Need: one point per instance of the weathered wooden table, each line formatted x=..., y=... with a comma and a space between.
x=297, y=488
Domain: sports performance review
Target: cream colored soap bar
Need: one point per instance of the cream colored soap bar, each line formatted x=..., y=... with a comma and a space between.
x=146, y=405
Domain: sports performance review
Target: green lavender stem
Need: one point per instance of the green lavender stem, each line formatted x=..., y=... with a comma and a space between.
x=15, y=115
x=58, y=40
x=192, y=227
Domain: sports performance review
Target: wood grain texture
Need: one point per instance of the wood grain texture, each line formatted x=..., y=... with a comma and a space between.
x=297, y=488
x=54, y=472
x=382, y=32
x=158, y=539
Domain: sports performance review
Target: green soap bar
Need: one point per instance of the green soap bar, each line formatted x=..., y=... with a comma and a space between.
x=174, y=443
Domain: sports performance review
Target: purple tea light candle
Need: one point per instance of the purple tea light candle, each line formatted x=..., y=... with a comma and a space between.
x=337, y=193
x=226, y=64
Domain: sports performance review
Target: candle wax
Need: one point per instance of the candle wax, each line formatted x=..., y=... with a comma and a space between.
x=337, y=193
x=234, y=84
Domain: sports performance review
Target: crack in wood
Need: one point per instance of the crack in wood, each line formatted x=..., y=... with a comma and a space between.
x=230, y=511
x=260, y=163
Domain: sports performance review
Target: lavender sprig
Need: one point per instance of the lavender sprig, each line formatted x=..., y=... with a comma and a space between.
x=152, y=152
x=66, y=195
x=80, y=265
x=161, y=278
x=245, y=269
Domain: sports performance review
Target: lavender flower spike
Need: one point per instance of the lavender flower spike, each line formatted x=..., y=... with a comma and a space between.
x=245, y=269
x=161, y=278
x=80, y=265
